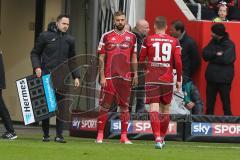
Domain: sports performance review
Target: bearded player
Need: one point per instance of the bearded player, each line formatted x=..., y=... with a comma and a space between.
x=163, y=53
x=117, y=58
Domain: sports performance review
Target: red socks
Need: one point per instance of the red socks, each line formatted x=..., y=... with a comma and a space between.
x=125, y=117
x=164, y=124
x=102, y=118
x=155, y=123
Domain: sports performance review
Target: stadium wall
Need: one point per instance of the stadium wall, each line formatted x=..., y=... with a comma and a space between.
x=200, y=31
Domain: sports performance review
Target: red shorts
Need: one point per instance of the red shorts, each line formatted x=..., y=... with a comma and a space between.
x=159, y=94
x=118, y=91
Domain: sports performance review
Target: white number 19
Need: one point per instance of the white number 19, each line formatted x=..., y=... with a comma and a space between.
x=166, y=50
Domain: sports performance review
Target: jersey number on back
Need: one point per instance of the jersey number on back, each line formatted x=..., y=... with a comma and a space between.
x=165, y=49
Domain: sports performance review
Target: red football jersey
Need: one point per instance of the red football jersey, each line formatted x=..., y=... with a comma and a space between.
x=163, y=53
x=118, y=49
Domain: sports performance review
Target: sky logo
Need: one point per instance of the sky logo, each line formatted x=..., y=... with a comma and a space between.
x=201, y=129
x=116, y=126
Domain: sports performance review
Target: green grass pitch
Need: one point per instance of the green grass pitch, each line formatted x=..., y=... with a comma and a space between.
x=31, y=147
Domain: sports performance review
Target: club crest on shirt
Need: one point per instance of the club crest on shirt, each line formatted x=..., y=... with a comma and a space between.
x=127, y=38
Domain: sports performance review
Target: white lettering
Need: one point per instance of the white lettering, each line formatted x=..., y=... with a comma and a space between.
x=201, y=128
x=227, y=129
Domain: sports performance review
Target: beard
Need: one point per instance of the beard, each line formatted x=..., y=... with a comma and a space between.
x=120, y=27
x=64, y=30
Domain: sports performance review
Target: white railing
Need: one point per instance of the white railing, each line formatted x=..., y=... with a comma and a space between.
x=186, y=11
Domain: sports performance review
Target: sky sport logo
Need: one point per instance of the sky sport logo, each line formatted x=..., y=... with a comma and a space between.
x=215, y=129
x=143, y=127
x=84, y=124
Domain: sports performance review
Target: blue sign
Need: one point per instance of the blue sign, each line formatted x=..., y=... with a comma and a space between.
x=116, y=126
x=201, y=129
x=49, y=92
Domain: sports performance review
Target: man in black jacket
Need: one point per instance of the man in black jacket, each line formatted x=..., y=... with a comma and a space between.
x=4, y=114
x=53, y=48
x=190, y=62
x=141, y=31
x=220, y=54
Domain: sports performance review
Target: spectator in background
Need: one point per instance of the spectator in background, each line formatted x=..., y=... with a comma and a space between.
x=222, y=12
x=141, y=31
x=190, y=62
x=210, y=9
x=233, y=10
x=202, y=2
x=203, y=11
x=4, y=114
x=213, y=3
x=220, y=54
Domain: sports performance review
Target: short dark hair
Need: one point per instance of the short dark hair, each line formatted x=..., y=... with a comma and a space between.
x=160, y=22
x=178, y=25
x=118, y=13
x=62, y=16
x=219, y=29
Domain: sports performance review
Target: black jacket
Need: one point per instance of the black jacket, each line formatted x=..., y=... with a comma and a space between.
x=140, y=40
x=190, y=57
x=52, y=49
x=2, y=73
x=220, y=69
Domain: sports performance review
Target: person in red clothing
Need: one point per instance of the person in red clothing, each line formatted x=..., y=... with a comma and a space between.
x=117, y=58
x=163, y=54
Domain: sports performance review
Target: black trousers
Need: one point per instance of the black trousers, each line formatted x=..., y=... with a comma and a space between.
x=4, y=114
x=224, y=90
x=139, y=93
x=59, y=119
